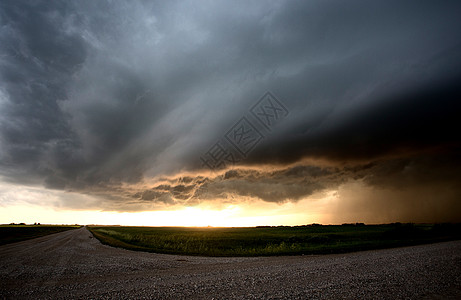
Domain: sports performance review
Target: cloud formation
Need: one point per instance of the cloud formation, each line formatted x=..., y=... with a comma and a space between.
x=419, y=188
x=102, y=97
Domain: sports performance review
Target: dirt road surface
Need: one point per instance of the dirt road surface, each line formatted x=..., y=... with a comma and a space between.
x=73, y=264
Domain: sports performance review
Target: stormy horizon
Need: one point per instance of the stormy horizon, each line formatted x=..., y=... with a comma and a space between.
x=230, y=113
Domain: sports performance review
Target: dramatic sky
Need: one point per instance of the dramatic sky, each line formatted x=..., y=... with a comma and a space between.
x=232, y=113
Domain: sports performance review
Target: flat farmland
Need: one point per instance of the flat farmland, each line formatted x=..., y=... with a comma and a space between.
x=281, y=240
x=17, y=233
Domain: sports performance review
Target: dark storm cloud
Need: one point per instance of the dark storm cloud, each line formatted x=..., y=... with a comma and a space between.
x=95, y=96
x=37, y=62
x=413, y=119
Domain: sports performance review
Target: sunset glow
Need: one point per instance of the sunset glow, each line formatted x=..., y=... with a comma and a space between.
x=229, y=113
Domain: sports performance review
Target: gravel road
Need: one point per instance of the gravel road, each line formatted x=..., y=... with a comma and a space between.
x=73, y=264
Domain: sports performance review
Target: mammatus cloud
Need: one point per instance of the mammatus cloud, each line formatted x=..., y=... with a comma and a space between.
x=120, y=100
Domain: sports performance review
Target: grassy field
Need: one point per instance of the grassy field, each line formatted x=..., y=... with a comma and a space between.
x=17, y=233
x=262, y=241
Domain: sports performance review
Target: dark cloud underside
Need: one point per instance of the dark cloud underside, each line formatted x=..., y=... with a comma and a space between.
x=96, y=97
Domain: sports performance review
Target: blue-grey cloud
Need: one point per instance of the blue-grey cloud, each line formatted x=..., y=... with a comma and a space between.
x=98, y=95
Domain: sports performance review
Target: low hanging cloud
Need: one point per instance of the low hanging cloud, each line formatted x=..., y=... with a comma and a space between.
x=119, y=100
x=418, y=188
x=277, y=186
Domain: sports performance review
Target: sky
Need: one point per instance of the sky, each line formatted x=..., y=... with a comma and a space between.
x=230, y=113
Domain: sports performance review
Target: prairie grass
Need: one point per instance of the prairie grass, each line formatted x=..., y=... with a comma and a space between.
x=283, y=240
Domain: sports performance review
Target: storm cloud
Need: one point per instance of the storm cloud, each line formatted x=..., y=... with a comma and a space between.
x=120, y=100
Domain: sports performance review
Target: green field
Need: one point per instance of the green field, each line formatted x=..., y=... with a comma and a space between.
x=17, y=233
x=283, y=240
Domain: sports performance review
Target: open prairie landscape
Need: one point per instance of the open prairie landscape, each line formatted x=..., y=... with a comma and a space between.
x=198, y=137
x=73, y=264
x=277, y=240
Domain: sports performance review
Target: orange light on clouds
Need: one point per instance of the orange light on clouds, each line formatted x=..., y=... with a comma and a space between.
x=34, y=204
x=243, y=215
